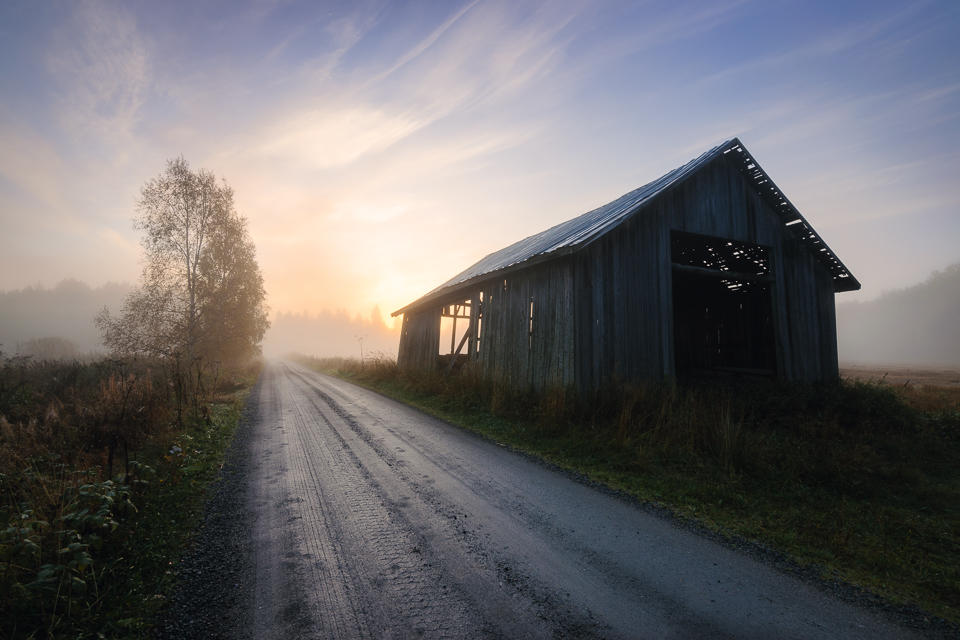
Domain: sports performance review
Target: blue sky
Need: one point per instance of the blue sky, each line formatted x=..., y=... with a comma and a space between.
x=378, y=148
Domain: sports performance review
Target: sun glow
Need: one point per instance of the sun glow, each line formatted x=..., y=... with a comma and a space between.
x=377, y=153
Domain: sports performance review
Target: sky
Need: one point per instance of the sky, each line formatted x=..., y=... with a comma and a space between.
x=379, y=148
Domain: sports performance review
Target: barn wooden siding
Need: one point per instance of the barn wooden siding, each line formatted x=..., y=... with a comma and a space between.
x=509, y=350
x=514, y=346
x=624, y=283
x=602, y=310
x=420, y=339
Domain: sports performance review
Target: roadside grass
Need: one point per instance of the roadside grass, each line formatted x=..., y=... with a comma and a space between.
x=170, y=512
x=855, y=481
x=83, y=552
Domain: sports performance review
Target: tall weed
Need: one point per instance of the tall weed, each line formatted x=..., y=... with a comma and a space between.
x=62, y=511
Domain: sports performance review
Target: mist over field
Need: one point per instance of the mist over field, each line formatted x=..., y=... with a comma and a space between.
x=57, y=322
x=918, y=325
x=49, y=322
x=331, y=334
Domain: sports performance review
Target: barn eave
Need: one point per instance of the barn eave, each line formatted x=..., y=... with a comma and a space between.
x=579, y=232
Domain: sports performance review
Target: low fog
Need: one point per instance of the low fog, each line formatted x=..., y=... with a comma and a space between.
x=331, y=334
x=56, y=322
x=919, y=325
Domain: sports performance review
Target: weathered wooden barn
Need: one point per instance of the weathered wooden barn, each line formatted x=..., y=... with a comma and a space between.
x=709, y=268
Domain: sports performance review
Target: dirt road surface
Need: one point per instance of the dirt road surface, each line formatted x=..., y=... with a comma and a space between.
x=370, y=519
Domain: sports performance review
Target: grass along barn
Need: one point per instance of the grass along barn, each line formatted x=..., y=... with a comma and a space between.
x=709, y=268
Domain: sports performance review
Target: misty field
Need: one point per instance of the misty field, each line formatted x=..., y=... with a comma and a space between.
x=856, y=481
x=899, y=375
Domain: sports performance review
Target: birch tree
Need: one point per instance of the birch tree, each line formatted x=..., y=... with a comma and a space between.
x=201, y=296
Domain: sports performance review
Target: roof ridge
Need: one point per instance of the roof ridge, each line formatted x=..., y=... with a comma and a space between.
x=584, y=228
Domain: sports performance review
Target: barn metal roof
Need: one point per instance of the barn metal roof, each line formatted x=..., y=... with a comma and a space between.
x=573, y=234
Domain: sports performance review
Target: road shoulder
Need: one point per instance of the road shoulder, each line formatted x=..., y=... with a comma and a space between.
x=214, y=595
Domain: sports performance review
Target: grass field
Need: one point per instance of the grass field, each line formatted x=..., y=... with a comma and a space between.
x=902, y=376
x=100, y=491
x=858, y=481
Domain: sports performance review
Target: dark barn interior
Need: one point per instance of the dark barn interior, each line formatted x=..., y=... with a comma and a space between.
x=722, y=309
x=707, y=270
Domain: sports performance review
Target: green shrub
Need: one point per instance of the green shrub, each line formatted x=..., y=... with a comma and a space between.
x=94, y=503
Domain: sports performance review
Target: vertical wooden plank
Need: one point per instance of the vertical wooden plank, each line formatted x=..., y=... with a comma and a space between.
x=829, y=365
x=420, y=339
x=473, y=326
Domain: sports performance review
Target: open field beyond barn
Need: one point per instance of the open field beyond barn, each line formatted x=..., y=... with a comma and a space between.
x=901, y=375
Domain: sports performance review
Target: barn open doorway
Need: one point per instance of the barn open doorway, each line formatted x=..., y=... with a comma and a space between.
x=456, y=331
x=722, y=306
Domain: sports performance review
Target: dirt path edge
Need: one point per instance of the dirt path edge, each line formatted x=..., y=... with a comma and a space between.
x=214, y=597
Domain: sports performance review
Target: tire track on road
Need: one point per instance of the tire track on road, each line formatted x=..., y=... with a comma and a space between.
x=578, y=562
x=378, y=521
x=404, y=593
x=510, y=595
x=339, y=612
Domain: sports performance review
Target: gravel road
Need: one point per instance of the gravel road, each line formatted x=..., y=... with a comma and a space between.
x=344, y=514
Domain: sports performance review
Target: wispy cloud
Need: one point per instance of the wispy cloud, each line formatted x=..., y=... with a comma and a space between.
x=821, y=45
x=482, y=55
x=657, y=28
x=937, y=93
x=742, y=123
x=325, y=138
x=868, y=191
x=341, y=35
x=421, y=46
x=360, y=136
x=486, y=54
x=32, y=164
x=100, y=64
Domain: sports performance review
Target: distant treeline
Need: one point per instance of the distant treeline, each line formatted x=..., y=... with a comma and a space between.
x=919, y=325
x=331, y=334
x=56, y=322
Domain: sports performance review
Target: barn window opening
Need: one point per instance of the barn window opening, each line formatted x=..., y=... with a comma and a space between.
x=722, y=306
x=479, y=321
x=454, y=328
x=530, y=326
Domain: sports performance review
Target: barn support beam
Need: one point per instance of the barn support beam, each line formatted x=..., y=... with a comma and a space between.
x=472, y=330
x=723, y=275
x=453, y=333
x=457, y=310
x=453, y=358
